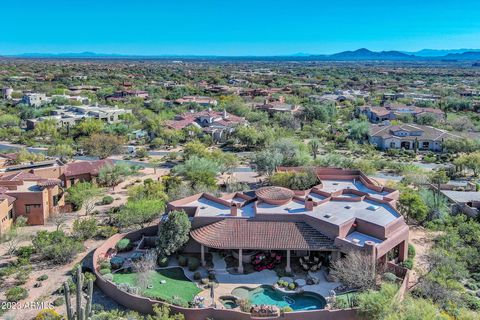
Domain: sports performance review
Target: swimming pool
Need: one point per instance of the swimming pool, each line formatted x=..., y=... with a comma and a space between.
x=268, y=295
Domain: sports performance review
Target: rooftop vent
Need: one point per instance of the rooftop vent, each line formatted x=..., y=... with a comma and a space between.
x=348, y=207
x=373, y=208
x=328, y=215
x=203, y=207
x=356, y=241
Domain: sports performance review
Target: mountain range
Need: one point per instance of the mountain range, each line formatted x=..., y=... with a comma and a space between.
x=357, y=55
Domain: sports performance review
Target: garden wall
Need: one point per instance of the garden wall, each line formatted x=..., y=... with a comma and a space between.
x=145, y=305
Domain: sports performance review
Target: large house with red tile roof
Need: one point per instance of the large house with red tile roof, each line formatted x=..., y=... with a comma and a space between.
x=346, y=211
x=218, y=124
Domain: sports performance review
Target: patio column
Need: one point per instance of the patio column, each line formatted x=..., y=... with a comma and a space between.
x=202, y=253
x=288, y=269
x=240, y=262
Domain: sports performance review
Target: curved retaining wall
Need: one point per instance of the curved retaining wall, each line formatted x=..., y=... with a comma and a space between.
x=145, y=305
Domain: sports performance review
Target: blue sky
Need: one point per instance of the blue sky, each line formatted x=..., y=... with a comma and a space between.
x=242, y=27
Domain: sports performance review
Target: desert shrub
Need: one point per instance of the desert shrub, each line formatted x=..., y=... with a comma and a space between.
x=84, y=229
x=295, y=180
x=43, y=277
x=59, y=301
x=163, y=261
x=105, y=265
x=182, y=261
x=56, y=246
x=124, y=245
x=411, y=251
x=197, y=276
x=286, y=309
x=107, y=200
x=471, y=301
x=389, y=277
x=244, y=305
x=106, y=231
x=25, y=252
x=117, y=262
x=105, y=271
x=193, y=264
x=48, y=314
x=472, y=286
x=292, y=286
x=407, y=264
x=341, y=304
x=16, y=294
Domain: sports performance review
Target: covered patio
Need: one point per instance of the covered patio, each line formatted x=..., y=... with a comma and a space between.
x=247, y=234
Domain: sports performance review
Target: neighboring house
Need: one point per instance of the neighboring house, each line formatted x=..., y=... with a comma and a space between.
x=347, y=211
x=80, y=99
x=34, y=197
x=35, y=99
x=467, y=202
x=83, y=171
x=219, y=124
x=127, y=94
x=6, y=213
x=201, y=100
x=395, y=111
x=36, y=190
x=78, y=89
x=406, y=136
x=415, y=96
x=278, y=106
x=69, y=116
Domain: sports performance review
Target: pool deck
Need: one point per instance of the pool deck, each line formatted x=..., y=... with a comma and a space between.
x=227, y=281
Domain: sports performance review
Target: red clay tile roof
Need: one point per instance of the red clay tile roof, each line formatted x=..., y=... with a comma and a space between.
x=84, y=167
x=262, y=235
x=20, y=176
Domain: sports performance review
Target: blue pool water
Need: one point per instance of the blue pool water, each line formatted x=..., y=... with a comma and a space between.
x=267, y=295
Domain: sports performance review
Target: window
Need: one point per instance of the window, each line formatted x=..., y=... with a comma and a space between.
x=10, y=214
x=28, y=207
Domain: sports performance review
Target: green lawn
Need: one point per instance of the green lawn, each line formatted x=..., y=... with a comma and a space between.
x=176, y=284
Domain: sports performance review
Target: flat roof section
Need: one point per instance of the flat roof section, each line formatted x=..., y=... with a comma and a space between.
x=336, y=185
x=359, y=238
x=209, y=208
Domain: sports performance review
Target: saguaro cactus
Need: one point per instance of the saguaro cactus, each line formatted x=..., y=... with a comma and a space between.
x=81, y=313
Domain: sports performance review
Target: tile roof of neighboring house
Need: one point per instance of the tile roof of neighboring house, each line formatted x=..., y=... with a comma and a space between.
x=251, y=234
x=220, y=118
x=85, y=167
x=428, y=133
x=20, y=176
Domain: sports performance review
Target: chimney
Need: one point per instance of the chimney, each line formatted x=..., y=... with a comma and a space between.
x=309, y=204
x=233, y=209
